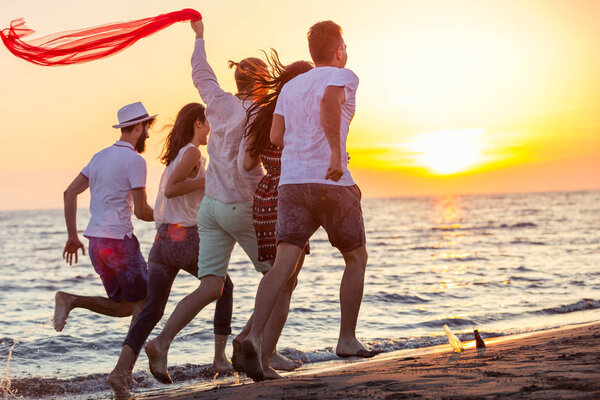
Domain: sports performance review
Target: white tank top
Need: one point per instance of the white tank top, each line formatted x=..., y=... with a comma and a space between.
x=182, y=210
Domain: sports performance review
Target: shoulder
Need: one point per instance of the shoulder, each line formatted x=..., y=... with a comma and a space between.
x=349, y=73
x=102, y=156
x=135, y=160
x=294, y=85
x=345, y=75
x=190, y=152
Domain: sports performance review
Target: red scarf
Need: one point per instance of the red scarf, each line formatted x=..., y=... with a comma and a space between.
x=83, y=45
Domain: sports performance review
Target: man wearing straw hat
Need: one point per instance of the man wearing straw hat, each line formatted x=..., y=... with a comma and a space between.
x=116, y=177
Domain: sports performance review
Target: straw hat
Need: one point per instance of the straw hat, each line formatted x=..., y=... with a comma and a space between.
x=132, y=114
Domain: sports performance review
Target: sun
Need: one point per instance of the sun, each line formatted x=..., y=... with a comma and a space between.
x=446, y=152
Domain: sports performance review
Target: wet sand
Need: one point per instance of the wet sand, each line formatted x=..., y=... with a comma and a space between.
x=557, y=364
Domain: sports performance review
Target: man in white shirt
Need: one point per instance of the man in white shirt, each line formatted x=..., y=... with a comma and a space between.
x=116, y=177
x=311, y=122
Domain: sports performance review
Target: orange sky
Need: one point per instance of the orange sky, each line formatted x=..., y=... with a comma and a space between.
x=455, y=97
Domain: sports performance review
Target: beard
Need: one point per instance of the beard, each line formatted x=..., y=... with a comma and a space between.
x=140, y=145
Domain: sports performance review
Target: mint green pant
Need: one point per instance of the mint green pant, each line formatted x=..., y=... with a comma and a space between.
x=221, y=226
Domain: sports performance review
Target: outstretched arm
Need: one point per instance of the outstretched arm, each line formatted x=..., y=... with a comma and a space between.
x=202, y=74
x=79, y=184
x=331, y=117
x=178, y=184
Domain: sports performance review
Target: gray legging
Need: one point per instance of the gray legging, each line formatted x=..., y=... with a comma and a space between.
x=174, y=248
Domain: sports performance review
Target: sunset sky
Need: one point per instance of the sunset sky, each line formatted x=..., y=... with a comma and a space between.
x=454, y=96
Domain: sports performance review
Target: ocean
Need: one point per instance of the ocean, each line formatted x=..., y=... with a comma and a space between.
x=503, y=263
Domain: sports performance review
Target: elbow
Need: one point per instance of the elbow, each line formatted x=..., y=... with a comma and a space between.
x=68, y=194
x=277, y=140
x=170, y=191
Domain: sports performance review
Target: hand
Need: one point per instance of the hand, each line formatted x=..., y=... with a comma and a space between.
x=71, y=248
x=335, y=170
x=198, y=27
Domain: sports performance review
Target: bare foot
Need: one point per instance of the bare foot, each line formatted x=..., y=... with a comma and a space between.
x=270, y=374
x=119, y=384
x=222, y=365
x=283, y=363
x=157, y=358
x=237, y=358
x=252, y=366
x=62, y=308
x=353, y=348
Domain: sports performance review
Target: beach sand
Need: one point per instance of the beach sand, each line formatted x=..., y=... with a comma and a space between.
x=558, y=364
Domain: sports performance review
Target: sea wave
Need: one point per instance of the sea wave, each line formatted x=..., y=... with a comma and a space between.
x=583, y=304
x=518, y=225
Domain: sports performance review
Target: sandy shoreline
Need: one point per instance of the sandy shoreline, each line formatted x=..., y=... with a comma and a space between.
x=562, y=363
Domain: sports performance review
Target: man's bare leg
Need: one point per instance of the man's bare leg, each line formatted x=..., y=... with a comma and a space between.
x=278, y=361
x=351, y=292
x=210, y=289
x=220, y=363
x=270, y=359
x=266, y=296
x=65, y=302
x=120, y=377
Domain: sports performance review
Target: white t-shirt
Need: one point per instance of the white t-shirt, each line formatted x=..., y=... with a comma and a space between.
x=306, y=152
x=112, y=174
x=182, y=210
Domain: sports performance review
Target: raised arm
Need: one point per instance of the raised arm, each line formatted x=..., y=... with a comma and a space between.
x=141, y=208
x=79, y=184
x=331, y=117
x=202, y=74
x=177, y=184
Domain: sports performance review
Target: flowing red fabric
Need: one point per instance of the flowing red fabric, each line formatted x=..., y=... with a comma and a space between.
x=83, y=45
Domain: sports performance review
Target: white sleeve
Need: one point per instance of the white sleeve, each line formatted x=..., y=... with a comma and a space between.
x=344, y=78
x=136, y=173
x=203, y=76
x=86, y=171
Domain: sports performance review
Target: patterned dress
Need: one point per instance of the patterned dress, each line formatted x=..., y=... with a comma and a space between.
x=265, y=204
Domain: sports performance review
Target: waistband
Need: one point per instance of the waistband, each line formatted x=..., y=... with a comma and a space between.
x=176, y=231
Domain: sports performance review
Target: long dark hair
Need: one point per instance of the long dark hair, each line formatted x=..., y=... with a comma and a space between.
x=182, y=131
x=259, y=115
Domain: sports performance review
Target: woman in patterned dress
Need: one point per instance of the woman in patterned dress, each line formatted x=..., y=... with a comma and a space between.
x=259, y=149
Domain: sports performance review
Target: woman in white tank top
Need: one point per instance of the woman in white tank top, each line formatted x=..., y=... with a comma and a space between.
x=176, y=244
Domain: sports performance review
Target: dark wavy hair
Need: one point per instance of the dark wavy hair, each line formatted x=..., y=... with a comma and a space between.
x=259, y=115
x=182, y=131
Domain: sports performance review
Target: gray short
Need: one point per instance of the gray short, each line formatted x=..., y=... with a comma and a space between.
x=303, y=208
